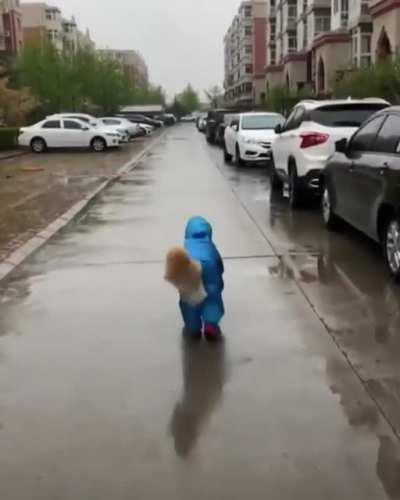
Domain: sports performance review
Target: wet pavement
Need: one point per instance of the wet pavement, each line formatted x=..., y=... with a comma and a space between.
x=36, y=189
x=101, y=399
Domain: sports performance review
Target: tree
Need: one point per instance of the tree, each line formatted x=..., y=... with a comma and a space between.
x=381, y=79
x=85, y=81
x=215, y=96
x=15, y=105
x=177, y=108
x=189, y=99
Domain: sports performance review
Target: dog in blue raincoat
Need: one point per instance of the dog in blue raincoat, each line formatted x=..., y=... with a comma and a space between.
x=197, y=272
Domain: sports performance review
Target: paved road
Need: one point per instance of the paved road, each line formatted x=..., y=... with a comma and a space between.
x=101, y=399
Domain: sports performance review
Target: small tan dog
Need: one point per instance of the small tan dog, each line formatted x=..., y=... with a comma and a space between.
x=185, y=274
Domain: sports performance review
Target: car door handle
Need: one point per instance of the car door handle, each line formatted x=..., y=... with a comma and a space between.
x=352, y=167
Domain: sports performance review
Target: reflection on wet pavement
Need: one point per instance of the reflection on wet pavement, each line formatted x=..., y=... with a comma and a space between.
x=204, y=376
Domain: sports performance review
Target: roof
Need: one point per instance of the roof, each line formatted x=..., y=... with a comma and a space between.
x=313, y=104
x=153, y=108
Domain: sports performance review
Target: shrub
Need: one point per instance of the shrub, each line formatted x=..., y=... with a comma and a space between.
x=8, y=138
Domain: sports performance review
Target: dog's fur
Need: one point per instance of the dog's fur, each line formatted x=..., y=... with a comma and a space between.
x=185, y=274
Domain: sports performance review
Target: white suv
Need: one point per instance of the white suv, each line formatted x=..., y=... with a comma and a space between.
x=249, y=136
x=307, y=139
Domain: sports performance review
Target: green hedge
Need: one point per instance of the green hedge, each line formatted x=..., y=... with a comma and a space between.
x=8, y=138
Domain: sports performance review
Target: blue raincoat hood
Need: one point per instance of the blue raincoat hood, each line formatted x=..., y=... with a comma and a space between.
x=198, y=228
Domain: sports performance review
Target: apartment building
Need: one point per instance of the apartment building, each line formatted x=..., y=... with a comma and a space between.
x=132, y=63
x=245, y=46
x=42, y=22
x=11, y=35
x=311, y=43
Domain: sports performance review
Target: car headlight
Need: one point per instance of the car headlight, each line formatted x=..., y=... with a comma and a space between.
x=250, y=141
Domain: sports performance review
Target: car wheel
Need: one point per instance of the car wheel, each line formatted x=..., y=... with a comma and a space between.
x=330, y=219
x=392, y=247
x=276, y=183
x=98, y=145
x=238, y=158
x=38, y=145
x=295, y=194
x=227, y=156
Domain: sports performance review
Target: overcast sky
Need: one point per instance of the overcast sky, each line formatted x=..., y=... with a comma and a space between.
x=181, y=40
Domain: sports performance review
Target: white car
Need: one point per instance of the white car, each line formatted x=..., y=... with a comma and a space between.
x=307, y=139
x=147, y=128
x=66, y=133
x=94, y=122
x=249, y=137
x=120, y=123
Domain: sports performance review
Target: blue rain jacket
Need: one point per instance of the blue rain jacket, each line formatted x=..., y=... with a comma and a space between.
x=200, y=246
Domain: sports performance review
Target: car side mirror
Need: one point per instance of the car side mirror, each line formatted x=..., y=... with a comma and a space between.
x=278, y=129
x=235, y=127
x=85, y=129
x=342, y=146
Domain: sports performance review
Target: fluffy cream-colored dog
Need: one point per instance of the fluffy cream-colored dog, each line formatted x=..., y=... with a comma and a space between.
x=185, y=274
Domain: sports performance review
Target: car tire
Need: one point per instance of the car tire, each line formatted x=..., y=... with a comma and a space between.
x=38, y=145
x=295, y=192
x=331, y=220
x=238, y=159
x=391, y=246
x=276, y=183
x=98, y=145
x=227, y=156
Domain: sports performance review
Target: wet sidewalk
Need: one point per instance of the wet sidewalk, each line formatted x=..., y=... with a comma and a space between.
x=101, y=399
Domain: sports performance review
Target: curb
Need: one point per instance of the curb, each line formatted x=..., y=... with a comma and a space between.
x=14, y=155
x=41, y=238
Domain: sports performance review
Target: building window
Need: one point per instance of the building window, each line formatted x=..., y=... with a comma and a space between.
x=249, y=69
x=272, y=57
x=292, y=11
x=366, y=44
x=249, y=49
x=365, y=61
x=322, y=24
x=292, y=44
x=248, y=31
x=247, y=12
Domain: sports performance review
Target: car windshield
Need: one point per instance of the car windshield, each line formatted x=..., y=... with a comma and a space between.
x=261, y=122
x=344, y=115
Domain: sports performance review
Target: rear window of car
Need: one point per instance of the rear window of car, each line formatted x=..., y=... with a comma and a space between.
x=344, y=115
x=261, y=122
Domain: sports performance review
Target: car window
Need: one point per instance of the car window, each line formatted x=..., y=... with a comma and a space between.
x=344, y=115
x=52, y=124
x=72, y=125
x=111, y=122
x=295, y=119
x=261, y=122
x=364, y=139
x=389, y=136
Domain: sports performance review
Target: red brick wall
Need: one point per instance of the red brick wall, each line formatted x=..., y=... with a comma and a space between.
x=260, y=46
x=12, y=24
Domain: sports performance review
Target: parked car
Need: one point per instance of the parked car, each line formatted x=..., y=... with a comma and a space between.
x=307, y=139
x=167, y=118
x=201, y=123
x=94, y=122
x=214, y=118
x=361, y=183
x=188, y=119
x=134, y=118
x=120, y=123
x=249, y=137
x=67, y=133
x=220, y=133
